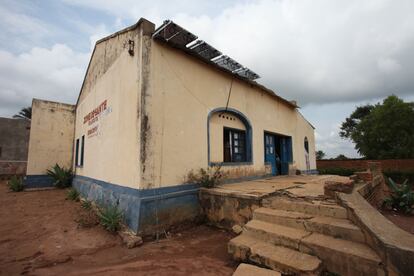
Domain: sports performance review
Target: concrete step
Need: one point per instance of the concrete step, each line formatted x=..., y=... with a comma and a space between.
x=338, y=228
x=279, y=258
x=315, y=208
x=338, y=255
x=249, y=270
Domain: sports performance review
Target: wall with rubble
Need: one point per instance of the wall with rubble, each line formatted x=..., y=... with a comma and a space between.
x=51, y=136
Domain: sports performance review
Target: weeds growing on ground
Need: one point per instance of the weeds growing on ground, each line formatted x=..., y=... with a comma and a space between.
x=207, y=178
x=62, y=177
x=72, y=194
x=16, y=184
x=110, y=218
x=402, y=197
x=86, y=204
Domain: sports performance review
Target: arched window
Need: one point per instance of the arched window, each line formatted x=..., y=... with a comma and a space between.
x=306, y=144
x=229, y=137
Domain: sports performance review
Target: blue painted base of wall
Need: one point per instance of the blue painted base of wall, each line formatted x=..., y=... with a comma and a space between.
x=38, y=181
x=148, y=210
x=145, y=211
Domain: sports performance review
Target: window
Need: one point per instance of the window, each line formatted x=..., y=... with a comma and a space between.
x=234, y=145
x=306, y=144
x=82, y=150
x=77, y=153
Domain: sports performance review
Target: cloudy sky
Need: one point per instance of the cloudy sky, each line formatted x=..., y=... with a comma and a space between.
x=329, y=55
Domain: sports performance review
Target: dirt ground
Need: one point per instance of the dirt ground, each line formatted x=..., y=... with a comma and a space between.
x=39, y=236
x=404, y=222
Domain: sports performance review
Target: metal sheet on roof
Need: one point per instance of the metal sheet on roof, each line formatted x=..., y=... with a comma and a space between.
x=177, y=36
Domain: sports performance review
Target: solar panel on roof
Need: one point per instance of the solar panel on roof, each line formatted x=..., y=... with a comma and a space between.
x=228, y=63
x=205, y=50
x=177, y=36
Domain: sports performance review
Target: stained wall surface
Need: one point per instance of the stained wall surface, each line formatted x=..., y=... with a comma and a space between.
x=51, y=136
x=107, y=114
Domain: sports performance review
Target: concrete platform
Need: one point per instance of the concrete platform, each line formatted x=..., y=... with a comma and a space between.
x=230, y=204
x=310, y=186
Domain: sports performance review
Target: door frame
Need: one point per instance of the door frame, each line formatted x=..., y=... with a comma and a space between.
x=290, y=152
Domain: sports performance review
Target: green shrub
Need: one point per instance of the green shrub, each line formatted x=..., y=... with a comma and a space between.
x=86, y=204
x=72, y=194
x=110, y=218
x=402, y=197
x=62, y=177
x=338, y=171
x=206, y=178
x=400, y=176
x=16, y=184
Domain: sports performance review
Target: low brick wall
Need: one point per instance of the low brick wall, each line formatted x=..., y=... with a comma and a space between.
x=387, y=165
x=9, y=168
x=394, y=245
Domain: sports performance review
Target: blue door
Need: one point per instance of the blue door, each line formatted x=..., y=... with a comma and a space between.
x=270, y=156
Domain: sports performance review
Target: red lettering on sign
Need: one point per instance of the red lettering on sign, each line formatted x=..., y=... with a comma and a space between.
x=94, y=113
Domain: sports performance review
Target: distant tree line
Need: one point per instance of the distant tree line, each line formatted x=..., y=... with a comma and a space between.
x=381, y=131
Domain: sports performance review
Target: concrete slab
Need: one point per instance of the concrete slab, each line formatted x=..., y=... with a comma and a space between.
x=310, y=186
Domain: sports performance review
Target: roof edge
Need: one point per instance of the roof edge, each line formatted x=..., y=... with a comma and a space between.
x=147, y=30
x=253, y=83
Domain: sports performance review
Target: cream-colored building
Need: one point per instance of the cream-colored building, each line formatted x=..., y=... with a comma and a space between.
x=157, y=103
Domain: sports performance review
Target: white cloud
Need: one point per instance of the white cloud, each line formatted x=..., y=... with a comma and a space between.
x=319, y=51
x=312, y=51
x=54, y=74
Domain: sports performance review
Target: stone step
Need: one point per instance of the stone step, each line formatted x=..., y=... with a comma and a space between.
x=249, y=270
x=339, y=256
x=315, y=208
x=279, y=258
x=338, y=228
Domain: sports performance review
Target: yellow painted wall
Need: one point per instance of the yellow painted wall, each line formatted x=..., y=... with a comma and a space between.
x=51, y=136
x=112, y=145
x=154, y=129
x=183, y=92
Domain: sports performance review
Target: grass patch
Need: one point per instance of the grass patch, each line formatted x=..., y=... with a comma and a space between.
x=110, y=218
x=207, y=178
x=15, y=184
x=72, y=194
x=400, y=176
x=86, y=204
x=62, y=177
x=401, y=198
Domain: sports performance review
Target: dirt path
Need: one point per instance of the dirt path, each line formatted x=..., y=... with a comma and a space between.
x=38, y=236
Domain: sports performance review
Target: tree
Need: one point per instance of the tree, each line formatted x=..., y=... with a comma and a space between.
x=25, y=113
x=320, y=155
x=341, y=157
x=382, y=131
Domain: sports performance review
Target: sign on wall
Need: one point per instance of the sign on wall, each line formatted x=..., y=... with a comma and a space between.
x=93, y=118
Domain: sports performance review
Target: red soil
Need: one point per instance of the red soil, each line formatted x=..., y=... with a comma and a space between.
x=39, y=236
x=404, y=222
